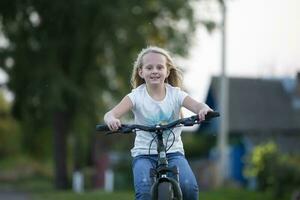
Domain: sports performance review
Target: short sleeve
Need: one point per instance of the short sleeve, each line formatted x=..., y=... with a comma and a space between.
x=181, y=96
x=132, y=97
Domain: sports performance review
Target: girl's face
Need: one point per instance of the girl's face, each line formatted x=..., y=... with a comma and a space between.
x=154, y=70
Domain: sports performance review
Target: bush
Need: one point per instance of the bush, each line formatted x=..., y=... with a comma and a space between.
x=274, y=171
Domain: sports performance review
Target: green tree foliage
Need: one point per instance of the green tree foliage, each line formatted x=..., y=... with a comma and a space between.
x=69, y=61
x=9, y=131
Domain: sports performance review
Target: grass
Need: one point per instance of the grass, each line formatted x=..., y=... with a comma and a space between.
x=91, y=195
x=234, y=194
x=220, y=194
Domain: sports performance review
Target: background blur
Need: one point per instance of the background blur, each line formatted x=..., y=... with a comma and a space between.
x=63, y=64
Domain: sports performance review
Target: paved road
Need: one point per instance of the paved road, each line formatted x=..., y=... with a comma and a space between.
x=10, y=195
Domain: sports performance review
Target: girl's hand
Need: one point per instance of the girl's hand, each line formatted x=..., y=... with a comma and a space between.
x=203, y=111
x=112, y=122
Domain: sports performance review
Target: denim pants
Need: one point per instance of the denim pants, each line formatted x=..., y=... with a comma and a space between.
x=142, y=181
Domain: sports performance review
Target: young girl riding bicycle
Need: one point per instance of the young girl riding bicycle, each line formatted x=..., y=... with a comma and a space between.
x=157, y=99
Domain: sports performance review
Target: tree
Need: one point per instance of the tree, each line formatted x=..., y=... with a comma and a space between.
x=68, y=61
x=9, y=132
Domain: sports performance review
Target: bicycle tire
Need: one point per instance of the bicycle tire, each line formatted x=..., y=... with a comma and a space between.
x=165, y=191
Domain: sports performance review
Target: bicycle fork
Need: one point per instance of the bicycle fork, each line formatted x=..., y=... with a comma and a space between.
x=159, y=174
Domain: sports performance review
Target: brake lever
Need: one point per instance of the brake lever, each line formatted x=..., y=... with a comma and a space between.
x=191, y=121
x=188, y=123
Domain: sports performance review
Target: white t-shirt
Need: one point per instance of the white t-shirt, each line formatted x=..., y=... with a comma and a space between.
x=148, y=111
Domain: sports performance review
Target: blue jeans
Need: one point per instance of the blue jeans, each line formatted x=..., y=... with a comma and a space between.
x=142, y=181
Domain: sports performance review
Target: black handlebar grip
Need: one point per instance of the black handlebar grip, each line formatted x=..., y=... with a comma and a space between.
x=102, y=128
x=210, y=115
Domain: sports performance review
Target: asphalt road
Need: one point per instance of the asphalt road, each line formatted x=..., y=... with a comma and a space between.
x=11, y=195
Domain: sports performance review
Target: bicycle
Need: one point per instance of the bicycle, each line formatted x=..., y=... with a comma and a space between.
x=163, y=187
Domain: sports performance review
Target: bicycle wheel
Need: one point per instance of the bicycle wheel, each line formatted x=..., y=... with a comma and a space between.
x=165, y=191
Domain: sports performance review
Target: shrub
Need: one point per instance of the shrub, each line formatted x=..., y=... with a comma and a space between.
x=274, y=171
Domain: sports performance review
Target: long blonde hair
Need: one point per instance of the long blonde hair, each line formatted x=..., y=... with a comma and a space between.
x=175, y=76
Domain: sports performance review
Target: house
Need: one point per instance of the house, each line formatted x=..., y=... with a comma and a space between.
x=259, y=110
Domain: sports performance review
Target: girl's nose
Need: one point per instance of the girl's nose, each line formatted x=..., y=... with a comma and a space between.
x=155, y=70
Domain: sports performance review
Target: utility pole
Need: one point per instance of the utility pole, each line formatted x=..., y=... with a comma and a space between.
x=223, y=150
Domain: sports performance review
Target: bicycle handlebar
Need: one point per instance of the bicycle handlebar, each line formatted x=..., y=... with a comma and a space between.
x=128, y=128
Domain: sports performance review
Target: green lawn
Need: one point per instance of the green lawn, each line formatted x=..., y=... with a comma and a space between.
x=222, y=194
x=234, y=194
x=83, y=196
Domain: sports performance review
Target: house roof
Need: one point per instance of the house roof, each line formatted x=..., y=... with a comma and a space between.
x=258, y=105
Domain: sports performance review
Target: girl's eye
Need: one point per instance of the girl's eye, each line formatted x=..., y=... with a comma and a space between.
x=160, y=67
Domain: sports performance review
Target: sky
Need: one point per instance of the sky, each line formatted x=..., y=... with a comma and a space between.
x=263, y=40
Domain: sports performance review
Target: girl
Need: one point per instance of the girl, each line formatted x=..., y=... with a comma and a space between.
x=157, y=98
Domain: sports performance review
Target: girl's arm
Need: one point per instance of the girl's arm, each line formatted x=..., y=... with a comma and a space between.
x=196, y=107
x=112, y=117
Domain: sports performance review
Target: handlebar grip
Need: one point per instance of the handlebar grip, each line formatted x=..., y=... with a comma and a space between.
x=101, y=127
x=210, y=115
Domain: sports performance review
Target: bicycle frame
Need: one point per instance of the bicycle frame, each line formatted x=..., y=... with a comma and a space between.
x=163, y=187
x=159, y=174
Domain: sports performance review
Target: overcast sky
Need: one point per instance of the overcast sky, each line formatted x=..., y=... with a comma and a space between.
x=263, y=40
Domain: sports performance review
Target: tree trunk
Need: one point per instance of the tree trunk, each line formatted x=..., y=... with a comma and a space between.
x=61, y=127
